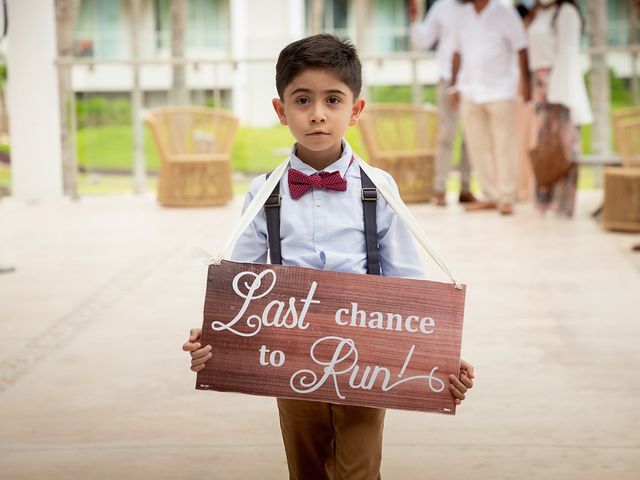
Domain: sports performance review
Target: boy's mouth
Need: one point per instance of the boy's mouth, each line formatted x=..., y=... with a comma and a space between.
x=317, y=133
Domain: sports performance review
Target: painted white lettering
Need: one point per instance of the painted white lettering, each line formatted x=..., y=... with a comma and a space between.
x=357, y=313
x=384, y=321
x=306, y=381
x=278, y=311
x=292, y=313
x=263, y=355
x=272, y=315
x=391, y=317
x=305, y=308
x=344, y=360
x=407, y=323
x=339, y=320
x=368, y=385
x=377, y=320
x=425, y=323
x=253, y=321
x=276, y=358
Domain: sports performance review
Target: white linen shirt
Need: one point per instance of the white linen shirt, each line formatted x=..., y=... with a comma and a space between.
x=439, y=26
x=558, y=48
x=488, y=43
x=325, y=229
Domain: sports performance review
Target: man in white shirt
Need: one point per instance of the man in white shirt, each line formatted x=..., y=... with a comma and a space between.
x=438, y=29
x=491, y=39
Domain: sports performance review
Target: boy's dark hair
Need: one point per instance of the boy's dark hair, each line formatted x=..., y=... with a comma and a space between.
x=320, y=51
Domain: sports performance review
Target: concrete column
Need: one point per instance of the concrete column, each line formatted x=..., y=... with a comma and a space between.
x=296, y=19
x=600, y=85
x=239, y=39
x=258, y=32
x=139, y=169
x=634, y=29
x=34, y=113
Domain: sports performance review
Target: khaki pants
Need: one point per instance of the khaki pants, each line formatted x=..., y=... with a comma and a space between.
x=324, y=441
x=490, y=136
x=447, y=129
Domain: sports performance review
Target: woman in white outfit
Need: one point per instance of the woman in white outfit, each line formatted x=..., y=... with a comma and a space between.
x=555, y=29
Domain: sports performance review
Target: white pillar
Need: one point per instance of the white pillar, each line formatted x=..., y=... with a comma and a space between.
x=239, y=38
x=599, y=77
x=34, y=114
x=259, y=30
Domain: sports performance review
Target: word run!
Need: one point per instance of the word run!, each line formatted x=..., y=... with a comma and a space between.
x=344, y=362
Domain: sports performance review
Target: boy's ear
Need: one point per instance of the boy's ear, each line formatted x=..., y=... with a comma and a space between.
x=278, y=106
x=356, y=110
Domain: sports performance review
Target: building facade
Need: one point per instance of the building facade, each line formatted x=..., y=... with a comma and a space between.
x=236, y=43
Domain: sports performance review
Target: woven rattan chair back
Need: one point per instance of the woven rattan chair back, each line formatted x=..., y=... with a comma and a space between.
x=401, y=139
x=194, y=144
x=628, y=131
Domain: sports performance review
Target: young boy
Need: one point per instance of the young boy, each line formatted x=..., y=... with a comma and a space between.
x=321, y=226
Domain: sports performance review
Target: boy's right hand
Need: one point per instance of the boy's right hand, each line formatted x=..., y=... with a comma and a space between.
x=199, y=354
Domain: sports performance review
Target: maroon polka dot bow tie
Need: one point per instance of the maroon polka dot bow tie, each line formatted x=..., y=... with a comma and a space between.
x=299, y=183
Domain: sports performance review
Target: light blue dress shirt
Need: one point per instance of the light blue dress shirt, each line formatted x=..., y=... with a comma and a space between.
x=325, y=229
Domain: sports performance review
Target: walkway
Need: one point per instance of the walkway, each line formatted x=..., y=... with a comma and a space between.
x=93, y=383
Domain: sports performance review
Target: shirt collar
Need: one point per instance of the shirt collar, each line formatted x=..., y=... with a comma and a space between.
x=341, y=165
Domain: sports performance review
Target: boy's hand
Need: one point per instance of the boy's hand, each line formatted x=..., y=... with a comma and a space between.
x=459, y=386
x=199, y=355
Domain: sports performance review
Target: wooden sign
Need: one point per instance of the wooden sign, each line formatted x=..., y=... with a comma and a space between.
x=343, y=338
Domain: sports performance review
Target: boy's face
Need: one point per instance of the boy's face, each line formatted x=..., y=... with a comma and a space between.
x=318, y=108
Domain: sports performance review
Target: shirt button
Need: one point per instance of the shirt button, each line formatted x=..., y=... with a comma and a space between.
x=317, y=203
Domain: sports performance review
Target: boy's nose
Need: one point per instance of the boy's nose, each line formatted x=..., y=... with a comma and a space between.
x=317, y=115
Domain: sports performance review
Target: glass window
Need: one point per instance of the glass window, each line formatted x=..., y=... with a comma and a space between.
x=99, y=30
x=207, y=29
x=390, y=26
x=618, y=15
x=336, y=17
x=387, y=33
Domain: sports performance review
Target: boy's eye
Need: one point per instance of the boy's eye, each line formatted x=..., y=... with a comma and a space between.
x=303, y=101
x=333, y=100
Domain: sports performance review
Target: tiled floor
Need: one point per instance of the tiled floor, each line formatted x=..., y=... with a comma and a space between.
x=93, y=383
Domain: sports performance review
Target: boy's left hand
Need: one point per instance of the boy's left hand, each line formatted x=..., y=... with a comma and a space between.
x=463, y=382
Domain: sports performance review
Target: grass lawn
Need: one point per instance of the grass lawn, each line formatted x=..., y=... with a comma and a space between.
x=254, y=150
x=111, y=148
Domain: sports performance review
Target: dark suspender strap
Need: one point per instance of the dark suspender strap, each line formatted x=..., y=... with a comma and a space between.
x=369, y=203
x=272, y=210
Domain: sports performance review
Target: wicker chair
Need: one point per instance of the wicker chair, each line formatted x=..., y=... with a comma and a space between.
x=194, y=145
x=621, y=209
x=619, y=116
x=401, y=139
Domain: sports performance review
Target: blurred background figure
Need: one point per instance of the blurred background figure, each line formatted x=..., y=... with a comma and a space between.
x=524, y=114
x=554, y=30
x=438, y=30
x=490, y=38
